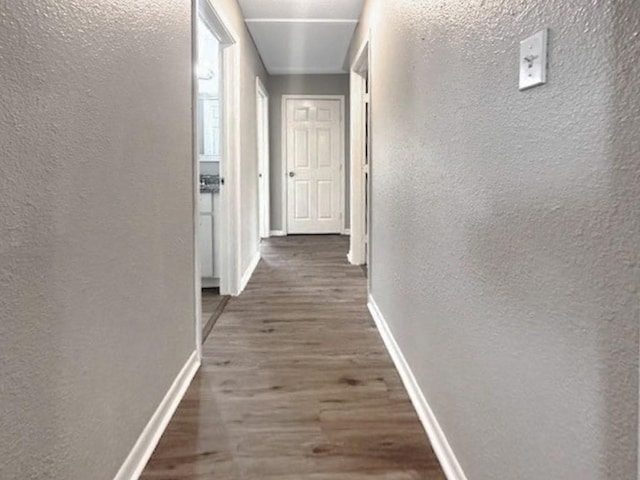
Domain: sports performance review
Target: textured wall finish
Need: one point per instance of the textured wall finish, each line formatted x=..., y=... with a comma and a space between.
x=280, y=85
x=96, y=228
x=505, y=227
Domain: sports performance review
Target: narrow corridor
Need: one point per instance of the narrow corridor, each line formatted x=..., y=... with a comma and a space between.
x=296, y=383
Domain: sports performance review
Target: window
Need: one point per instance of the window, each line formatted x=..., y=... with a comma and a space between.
x=208, y=95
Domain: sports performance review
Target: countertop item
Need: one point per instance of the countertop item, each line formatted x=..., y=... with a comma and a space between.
x=209, y=183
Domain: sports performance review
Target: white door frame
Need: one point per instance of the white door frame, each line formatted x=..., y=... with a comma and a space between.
x=360, y=69
x=230, y=143
x=285, y=159
x=264, y=190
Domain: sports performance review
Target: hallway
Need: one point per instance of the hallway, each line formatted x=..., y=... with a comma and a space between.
x=295, y=383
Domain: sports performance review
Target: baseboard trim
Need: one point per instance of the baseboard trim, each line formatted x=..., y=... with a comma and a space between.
x=150, y=436
x=249, y=272
x=441, y=447
x=277, y=233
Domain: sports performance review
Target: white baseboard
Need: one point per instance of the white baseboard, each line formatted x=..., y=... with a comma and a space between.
x=249, y=272
x=277, y=233
x=441, y=447
x=150, y=436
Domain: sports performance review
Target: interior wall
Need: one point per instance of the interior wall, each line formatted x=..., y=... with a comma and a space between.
x=280, y=85
x=96, y=228
x=251, y=66
x=505, y=227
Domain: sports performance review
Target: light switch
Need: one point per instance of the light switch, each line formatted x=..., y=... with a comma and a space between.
x=533, y=60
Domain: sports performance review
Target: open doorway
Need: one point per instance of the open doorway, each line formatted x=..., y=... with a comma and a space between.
x=215, y=152
x=264, y=207
x=360, y=84
x=209, y=142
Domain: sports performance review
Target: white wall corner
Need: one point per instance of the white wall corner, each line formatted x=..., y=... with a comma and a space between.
x=278, y=233
x=350, y=257
x=143, y=448
x=441, y=447
x=244, y=281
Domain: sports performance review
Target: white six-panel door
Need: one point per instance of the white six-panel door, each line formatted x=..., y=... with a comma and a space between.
x=314, y=154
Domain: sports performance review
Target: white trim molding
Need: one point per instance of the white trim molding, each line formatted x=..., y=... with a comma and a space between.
x=359, y=74
x=347, y=231
x=244, y=281
x=195, y=167
x=278, y=233
x=441, y=447
x=150, y=436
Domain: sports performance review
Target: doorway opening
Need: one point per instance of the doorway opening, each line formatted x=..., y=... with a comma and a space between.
x=264, y=206
x=215, y=95
x=360, y=84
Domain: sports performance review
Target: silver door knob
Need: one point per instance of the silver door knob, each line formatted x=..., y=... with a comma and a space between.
x=292, y=174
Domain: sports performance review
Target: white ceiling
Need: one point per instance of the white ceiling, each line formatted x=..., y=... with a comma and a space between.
x=302, y=36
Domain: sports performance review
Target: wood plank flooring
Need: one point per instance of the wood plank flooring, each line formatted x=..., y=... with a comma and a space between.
x=296, y=383
x=212, y=307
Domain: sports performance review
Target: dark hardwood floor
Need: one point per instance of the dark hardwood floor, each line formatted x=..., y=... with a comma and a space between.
x=212, y=307
x=296, y=383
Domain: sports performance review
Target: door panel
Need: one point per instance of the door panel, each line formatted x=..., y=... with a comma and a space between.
x=302, y=200
x=301, y=153
x=325, y=200
x=301, y=115
x=324, y=115
x=314, y=166
x=324, y=147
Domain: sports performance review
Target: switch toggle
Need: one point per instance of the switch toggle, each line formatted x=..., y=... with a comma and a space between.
x=533, y=60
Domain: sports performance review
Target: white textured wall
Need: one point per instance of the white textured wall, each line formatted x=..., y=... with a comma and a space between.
x=505, y=228
x=96, y=228
x=280, y=85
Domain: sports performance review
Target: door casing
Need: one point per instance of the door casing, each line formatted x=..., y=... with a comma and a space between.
x=360, y=74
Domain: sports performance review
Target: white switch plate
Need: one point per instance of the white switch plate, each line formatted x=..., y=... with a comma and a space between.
x=533, y=60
